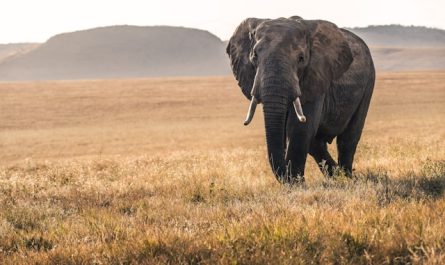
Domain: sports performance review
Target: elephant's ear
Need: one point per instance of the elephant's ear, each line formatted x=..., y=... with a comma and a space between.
x=330, y=57
x=238, y=49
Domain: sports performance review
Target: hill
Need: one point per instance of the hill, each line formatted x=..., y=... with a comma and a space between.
x=8, y=51
x=121, y=51
x=404, y=48
x=408, y=59
x=131, y=51
x=402, y=36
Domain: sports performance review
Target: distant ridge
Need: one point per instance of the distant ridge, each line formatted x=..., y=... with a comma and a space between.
x=402, y=36
x=133, y=51
x=405, y=48
x=11, y=50
x=121, y=51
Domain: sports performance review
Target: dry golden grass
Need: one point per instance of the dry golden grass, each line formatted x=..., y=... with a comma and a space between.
x=163, y=171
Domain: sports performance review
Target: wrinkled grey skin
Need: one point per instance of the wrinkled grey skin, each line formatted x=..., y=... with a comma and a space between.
x=328, y=68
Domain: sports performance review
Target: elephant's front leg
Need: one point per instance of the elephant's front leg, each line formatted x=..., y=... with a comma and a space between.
x=299, y=137
x=296, y=154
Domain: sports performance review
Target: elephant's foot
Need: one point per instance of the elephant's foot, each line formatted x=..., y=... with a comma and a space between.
x=295, y=174
x=293, y=181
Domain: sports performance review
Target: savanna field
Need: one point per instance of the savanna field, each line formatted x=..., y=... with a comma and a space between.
x=148, y=171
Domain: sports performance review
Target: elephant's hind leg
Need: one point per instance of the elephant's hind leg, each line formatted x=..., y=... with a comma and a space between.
x=319, y=151
x=347, y=141
x=347, y=145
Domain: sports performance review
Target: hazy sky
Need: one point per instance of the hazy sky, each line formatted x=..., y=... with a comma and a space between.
x=38, y=20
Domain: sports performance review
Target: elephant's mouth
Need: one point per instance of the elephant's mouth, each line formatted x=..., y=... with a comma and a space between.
x=254, y=102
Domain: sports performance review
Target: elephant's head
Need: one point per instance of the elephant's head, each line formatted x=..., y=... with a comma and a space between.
x=283, y=63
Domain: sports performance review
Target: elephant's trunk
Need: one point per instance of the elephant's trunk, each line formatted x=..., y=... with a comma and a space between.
x=275, y=110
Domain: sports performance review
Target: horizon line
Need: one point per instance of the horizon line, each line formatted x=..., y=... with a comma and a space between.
x=186, y=27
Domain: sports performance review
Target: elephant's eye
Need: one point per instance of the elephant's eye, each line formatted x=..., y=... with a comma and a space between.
x=301, y=58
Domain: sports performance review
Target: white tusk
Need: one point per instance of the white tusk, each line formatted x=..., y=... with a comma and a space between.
x=299, y=110
x=251, y=111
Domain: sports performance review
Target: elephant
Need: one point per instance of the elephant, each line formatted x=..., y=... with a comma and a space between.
x=315, y=82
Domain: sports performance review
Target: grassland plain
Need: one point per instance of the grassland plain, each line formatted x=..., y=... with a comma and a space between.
x=163, y=171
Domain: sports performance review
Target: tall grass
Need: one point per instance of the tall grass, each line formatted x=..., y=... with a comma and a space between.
x=224, y=207
x=214, y=200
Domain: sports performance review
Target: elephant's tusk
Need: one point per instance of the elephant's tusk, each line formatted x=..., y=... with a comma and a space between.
x=251, y=111
x=299, y=110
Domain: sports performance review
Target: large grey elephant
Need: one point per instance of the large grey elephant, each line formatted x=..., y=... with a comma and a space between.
x=315, y=82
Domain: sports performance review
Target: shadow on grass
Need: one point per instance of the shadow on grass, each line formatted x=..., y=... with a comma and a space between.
x=429, y=184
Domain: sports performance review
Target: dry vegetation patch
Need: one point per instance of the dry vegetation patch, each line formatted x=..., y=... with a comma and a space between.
x=193, y=186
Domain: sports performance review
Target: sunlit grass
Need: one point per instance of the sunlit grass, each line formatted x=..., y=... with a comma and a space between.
x=213, y=199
